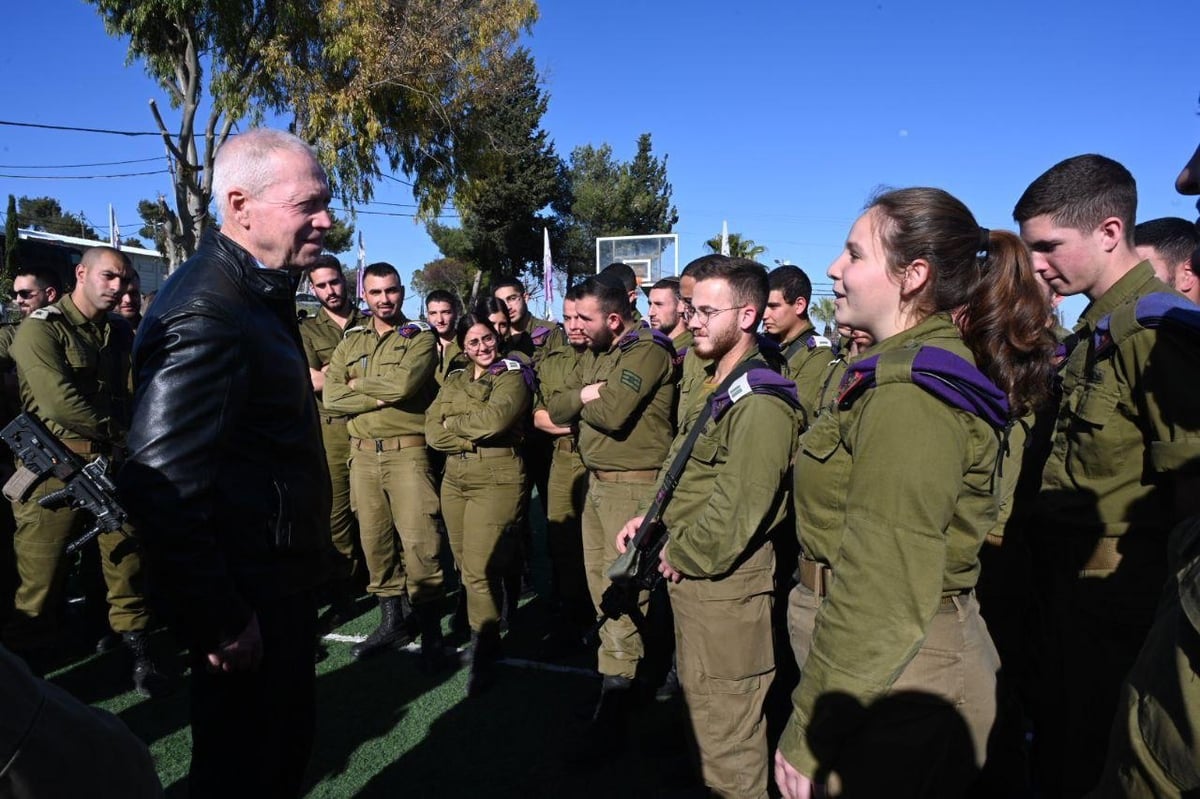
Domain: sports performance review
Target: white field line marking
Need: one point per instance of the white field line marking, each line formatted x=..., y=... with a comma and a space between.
x=519, y=663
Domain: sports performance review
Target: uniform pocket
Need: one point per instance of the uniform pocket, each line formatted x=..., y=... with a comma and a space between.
x=821, y=440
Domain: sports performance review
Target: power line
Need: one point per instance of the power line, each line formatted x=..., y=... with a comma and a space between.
x=384, y=213
x=73, y=129
x=85, y=177
x=81, y=166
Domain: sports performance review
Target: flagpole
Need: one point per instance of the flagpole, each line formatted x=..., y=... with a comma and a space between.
x=547, y=277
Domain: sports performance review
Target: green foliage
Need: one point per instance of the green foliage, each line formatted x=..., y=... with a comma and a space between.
x=340, y=237
x=155, y=216
x=739, y=247
x=507, y=190
x=612, y=198
x=45, y=213
x=369, y=84
x=822, y=311
x=450, y=274
x=11, y=243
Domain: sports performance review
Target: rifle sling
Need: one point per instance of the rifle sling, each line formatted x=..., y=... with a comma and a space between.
x=675, y=470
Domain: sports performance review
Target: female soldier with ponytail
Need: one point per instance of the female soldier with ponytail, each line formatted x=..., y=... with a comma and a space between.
x=895, y=490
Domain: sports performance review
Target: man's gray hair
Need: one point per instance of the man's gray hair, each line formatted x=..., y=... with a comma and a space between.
x=244, y=161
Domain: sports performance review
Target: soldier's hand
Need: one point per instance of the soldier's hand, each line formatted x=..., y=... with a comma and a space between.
x=628, y=532
x=243, y=653
x=665, y=568
x=591, y=392
x=792, y=784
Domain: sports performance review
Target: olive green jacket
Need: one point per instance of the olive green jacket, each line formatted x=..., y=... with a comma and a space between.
x=896, y=495
x=1124, y=421
x=74, y=373
x=808, y=358
x=491, y=411
x=554, y=370
x=630, y=426
x=395, y=368
x=321, y=335
x=735, y=486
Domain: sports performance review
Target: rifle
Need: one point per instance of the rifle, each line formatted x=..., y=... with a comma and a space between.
x=636, y=569
x=85, y=486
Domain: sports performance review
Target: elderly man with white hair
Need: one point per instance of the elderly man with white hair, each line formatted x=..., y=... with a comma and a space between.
x=226, y=472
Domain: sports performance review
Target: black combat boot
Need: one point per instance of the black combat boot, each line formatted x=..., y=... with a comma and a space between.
x=392, y=630
x=341, y=607
x=605, y=734
x=458, y=622
x=485, y=651
x=148, y=681
x=433, y=645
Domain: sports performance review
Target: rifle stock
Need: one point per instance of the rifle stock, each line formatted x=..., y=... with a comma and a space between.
x=85, y=486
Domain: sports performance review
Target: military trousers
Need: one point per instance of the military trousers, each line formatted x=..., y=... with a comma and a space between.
x=343, y=526
x=566, y=492
x=1092, y=625
x=483, y=494
x=39, y=544
x=928, y=735
x=397, y=522
x=609, y=505
x=726, y=664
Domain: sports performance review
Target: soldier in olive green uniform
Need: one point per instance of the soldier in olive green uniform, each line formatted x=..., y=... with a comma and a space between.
x=73, y=364
x=479, y=420
x=719, y=556
x=894, y=492
x=442, y=311
x=786, y=321
x=567, y=485
x=321, y=334
x=622, y=400
x=381, y=375
x=1121, y=469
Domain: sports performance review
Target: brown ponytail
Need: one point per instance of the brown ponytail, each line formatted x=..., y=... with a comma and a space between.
x=996, y=300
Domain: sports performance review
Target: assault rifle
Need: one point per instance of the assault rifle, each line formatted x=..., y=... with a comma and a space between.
x=85, y=486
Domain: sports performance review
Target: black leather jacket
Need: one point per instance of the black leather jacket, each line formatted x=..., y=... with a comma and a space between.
x=226, y=477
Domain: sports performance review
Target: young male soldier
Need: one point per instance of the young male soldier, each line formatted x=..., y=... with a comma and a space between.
x=527, y=333
x=786, y=321
x=1168, y=244
x=628, y=278
x=667, y=313
x=566, y=488
x=33, y=287
x=1153, y=750
x=129, y=306
x=441, y=311
x=1121, y=463
x=621, y=400
x=73, y=366
x=719, y=559
x=381, y=375
x=321, y=333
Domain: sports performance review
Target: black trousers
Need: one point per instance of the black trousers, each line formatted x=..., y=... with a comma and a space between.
x=252, y=732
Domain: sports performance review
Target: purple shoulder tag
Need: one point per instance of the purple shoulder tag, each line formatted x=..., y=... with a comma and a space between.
x=540, y=334
x=511, y=365
x=412, y=329
x=755, y=381
x=949, y=377
x=1160, y=309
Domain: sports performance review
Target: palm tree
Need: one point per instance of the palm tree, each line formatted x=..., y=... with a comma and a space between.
x=738, y=247
x=822, y=311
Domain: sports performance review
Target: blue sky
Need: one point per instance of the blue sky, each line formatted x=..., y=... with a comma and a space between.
x=780, y=117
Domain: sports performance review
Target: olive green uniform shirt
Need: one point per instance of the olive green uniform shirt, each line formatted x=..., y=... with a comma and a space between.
x=450, y=359
x=630, y=426
x=395, y=368
x=895, y=494
x=8, y=331
x=1123, y=421
x=321, y=335
x=554, y=370
x=74, y=373
x=491, y=411
x=732, y=489
x=808, y=359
